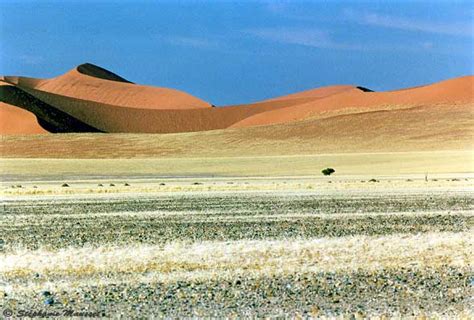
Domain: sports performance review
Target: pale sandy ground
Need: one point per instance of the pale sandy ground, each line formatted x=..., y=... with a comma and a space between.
x=331, y=186
x=358, y=165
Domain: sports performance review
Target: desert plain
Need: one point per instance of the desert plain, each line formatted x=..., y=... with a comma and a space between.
x=120, y=200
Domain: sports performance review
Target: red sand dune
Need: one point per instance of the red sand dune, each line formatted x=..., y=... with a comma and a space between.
x=453, y=91
x=89, y=98
x=316, y=93
x=111, y=118
x=93, y=86
x=14, y=120
x=50, y=118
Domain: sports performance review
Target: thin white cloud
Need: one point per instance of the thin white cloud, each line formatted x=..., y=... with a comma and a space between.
x=402, y=23
x=31, y=59
x=306, y=37
x=191, y=42
x=277, y=7
x=317, y=38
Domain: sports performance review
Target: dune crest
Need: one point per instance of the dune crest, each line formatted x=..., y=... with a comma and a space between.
x=353, y=100
x=92, y=83
x=92, y=70
x=316, y=93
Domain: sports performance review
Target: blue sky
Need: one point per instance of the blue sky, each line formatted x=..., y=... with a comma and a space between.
x=241, y=51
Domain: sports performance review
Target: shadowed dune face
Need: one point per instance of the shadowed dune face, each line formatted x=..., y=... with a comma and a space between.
x=92, y=99
x=49, y=118
x=95, y=71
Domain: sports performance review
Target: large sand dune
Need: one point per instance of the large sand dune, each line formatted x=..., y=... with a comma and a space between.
x=48, y=117
x=92, y=83
x=353, y=100
x=90, y=99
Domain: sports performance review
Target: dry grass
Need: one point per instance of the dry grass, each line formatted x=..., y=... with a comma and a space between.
x=217, y=253
x=265, y=258
x=365, y=165
x=228, y=185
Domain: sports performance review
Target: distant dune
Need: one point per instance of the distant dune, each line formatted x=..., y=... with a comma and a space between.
x=92, y=99
x=354, y=100
x=316, y=93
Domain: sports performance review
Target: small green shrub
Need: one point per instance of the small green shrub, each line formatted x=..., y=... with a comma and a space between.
x=328, y=171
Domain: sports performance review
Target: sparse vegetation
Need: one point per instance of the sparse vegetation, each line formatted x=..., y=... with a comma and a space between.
x=328, y=171
x=245, y=165
x=150, y=245
x=228, y=253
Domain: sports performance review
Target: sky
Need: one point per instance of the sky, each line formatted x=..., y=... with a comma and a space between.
x=231, y=52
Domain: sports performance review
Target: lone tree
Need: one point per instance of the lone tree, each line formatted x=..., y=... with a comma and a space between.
x=328, y=171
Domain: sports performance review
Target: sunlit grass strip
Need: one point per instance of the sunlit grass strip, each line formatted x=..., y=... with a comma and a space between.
x=263, y=257
x=216, y=215
x=317, y=186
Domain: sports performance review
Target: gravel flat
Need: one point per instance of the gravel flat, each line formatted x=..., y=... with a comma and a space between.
x=238, y=254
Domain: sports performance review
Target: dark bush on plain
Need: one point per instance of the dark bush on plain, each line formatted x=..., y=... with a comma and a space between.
x=328, y=171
